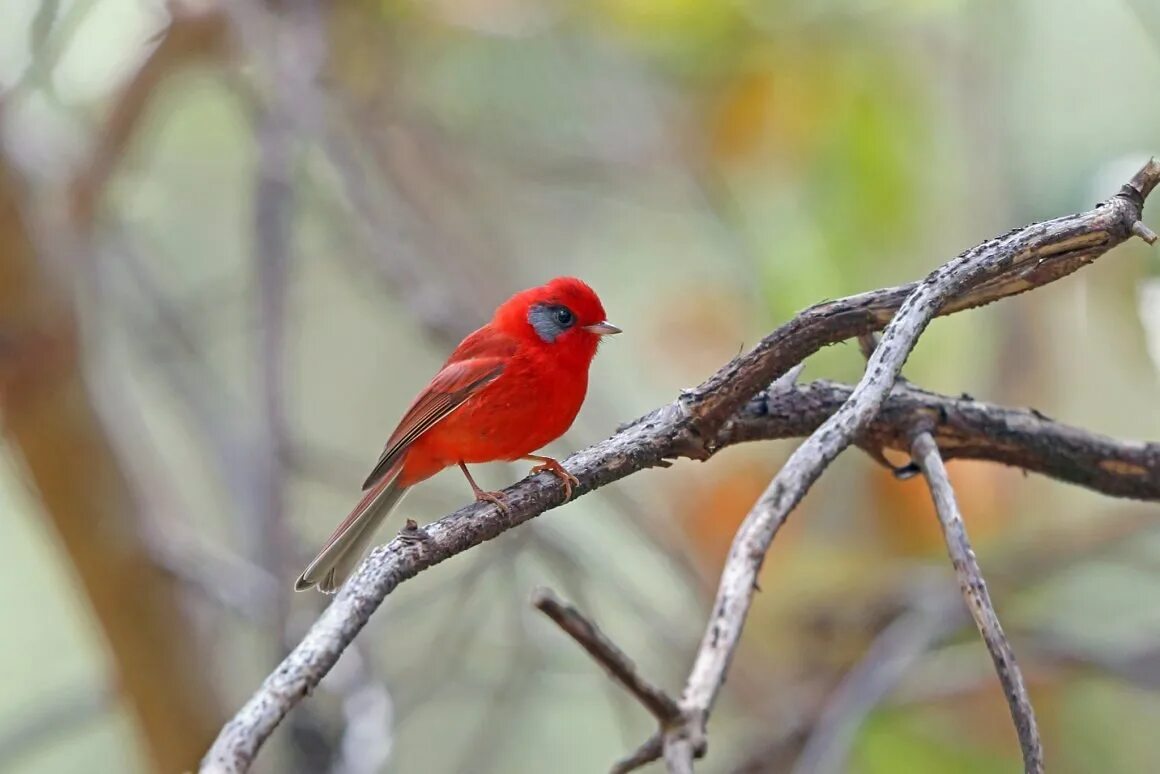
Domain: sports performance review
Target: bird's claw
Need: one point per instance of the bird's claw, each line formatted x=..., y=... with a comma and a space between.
x=557, y=470
x=495, y=498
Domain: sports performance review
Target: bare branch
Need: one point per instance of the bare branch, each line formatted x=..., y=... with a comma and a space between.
x=964, y=428
x=607, y=654
x=978, y=601
x=963, y=282
x=1021, y=260
x=680, y=750
x=1026, y=258
x=1145, y=233
x=645, y=754
x=866, y=344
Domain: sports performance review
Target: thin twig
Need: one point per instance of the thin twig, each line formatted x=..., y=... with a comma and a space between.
x=577, y=572
x=1011, y=264
x=978, y=601
x=1145, y=233
x=607, y=654
x=576, y=565
x=866, y=344
x=646, y=753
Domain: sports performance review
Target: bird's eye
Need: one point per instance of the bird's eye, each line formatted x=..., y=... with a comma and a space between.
x=563, y=316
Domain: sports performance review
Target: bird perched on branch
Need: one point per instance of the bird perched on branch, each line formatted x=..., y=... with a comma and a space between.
x=508, y=389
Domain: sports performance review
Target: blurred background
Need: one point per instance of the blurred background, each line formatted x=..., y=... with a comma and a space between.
x=235, y=243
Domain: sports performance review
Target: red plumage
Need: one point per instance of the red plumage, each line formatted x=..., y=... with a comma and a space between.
x=509, y=388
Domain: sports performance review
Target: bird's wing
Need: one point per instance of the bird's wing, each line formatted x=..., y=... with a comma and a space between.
x=484, y=342
x=476, y=363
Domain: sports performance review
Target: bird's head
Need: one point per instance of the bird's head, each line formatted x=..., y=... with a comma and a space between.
x=564, y=314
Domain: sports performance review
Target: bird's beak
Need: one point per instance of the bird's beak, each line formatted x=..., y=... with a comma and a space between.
x=602, y=329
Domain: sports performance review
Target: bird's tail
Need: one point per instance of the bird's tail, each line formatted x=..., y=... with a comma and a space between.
x=353, y=536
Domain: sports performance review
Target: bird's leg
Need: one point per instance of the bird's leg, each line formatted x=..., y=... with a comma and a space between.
x=556, y=469
x=481, y=494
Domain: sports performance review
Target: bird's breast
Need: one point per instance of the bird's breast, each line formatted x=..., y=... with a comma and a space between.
x=527, y=407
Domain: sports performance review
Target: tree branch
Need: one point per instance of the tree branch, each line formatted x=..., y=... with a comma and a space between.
x=964, y=428
x=974, y=590
x=607, y=654
x=1021, y=260
x=961, y=283
x=1027, y=258
x=646, y=753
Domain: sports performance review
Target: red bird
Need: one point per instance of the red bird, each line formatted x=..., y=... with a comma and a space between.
x=508, y=389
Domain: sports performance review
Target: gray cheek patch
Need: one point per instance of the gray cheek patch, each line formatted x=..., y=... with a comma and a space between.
x=544, y=323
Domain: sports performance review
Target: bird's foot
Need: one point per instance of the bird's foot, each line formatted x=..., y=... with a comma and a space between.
x=495, y=498
x=547, y=464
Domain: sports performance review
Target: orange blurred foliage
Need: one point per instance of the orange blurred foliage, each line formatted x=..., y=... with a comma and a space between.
x=700, y=326
x=778, y=108
x=710, y=507
x=905, y=517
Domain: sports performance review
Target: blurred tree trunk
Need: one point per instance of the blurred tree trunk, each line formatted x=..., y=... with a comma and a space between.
x=55, y=430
